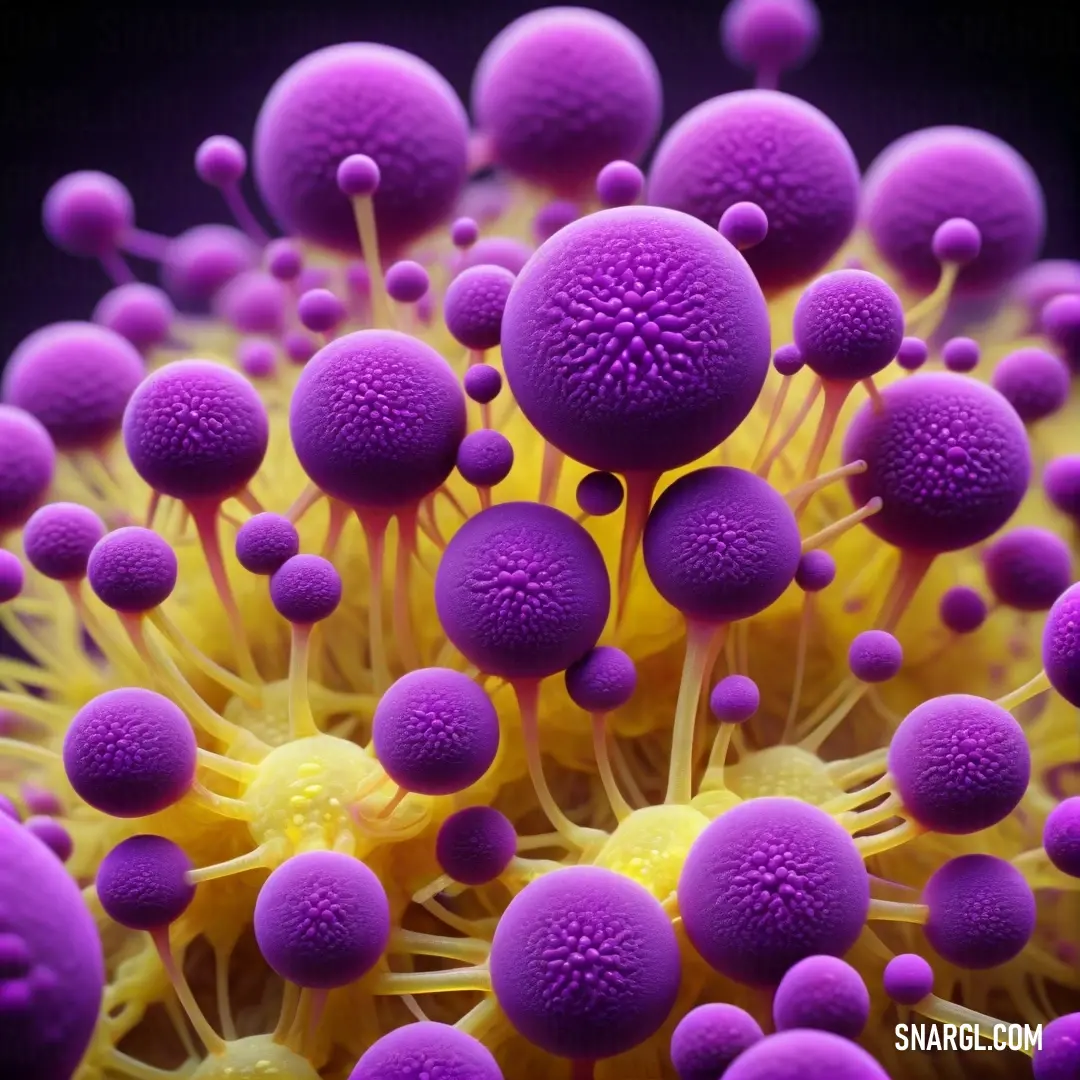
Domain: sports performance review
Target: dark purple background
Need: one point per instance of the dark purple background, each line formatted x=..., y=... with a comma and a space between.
x=129, y=89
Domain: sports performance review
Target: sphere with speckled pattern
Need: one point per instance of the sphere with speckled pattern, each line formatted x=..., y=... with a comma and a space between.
x=426, y=1051
x=709, y=1038
x=1058, y=1058
x=1061, y=836
x=1061, y=645
x=474, y=305
x=805, y=1055
x=475, y=845
x=132, y=569
x=305, y=589
x=602, y=680
x=58, y=540
x=142, y=883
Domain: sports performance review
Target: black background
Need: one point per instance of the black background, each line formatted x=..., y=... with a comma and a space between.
x=133, y=88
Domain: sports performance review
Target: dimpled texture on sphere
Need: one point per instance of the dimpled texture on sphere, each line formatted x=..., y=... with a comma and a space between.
x=58, y=540
x=132, y=569
x=51, y=968
x=776, y=151
x=306, y=589
x=923, y=179
x=805, y=1055
x=435, y=731
x=1028, y=568
x=636, y=339
x=427, y=1051
x=960, y=763
x=482, y=383
x=816, y=571
x=769, y=883
x=142, y=883
x=602, y=680
x=1061, y=645
x=475, y=845
x=196, y=430
x=1059, y=1056
x=734, y=699
x=824, y=993
x=1033, y=381
x=563, y=91
x=1061, y=836
x=76, y=378
x=848, y=325
x=376, y=419
x=948, y=457
x=130, y=753
x=485, y=457
x=322, y=919
x=368, y=99
x=265, y=542
x=584, y=963
x=875, y=656
x=474, y=305
x=721, y=544
x=522, y=590
x=982, y=911
x=709, y=1038
x=908, y=978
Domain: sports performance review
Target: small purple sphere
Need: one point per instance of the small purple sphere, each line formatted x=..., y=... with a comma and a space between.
x=220, y=161
x=553, y=216
x=483, y=383
x=132, y=570
x=58, y=540
x=1061, y=645
x=407, y=282
x=52, y=834
x=485, y=457
x=305, y=589
x=202, y=260
x=1061, y=836
x=474, y=305
x=256, y=357
x=426, y=1051
x=1028, y=568
x=1060, y=321
x=142, y=883
x=908, y=979
x=475, y=845
x=502, y=251
x=27, y=462
x=604, y=679
x=464, y=232
x=744, y=224
x=962, y=609
x=788, y=360
x=816, y=571
x=140, y=313
x=1058, y=1058
x=283, y=259
x=265, y=542
x=1034, y=382
x=823, y=993
x=599, y=494
x=299, y=347
x=961, y=354
x=956, y=241
x=87, y=213
x=912, y=354
x=320, y=310
x=1041, y=282
x=254, y=302
x=709, y=1038
x=619, y=183
x=805, y=1055
x=12, y=576
x=1061, y=482
x=734, y=699
x=875, y=656
x=770, y=36
x=358, y=176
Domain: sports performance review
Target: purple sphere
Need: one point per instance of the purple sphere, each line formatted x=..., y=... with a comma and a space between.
x=256, y=358
x=475, y=845
x=1041, y=282
x=299, y=347
x=320, y=310
x=51, y=969
x=464, y=232
x=1061, y=645
x=925, y=178
x=788, y=360
x=1060, y=322
x=618, y=968
x=76, y=378
x=816, y=571
x=961, y=354
x=52, y=834
x=960, y=763
x=947, y=455
x=27, y=461
x=483, y=383
x=58, y=540
x=132, y=570
x=709, y=1038
x=220, y=161
x=908, y=979
x=502, y=251
x=720, y=544
x=283, y=259
x=322, y=920
x=875, y=656
x=599, y=494
x=305, y=589
x=769, y=883
x=142, y=883
x=358, y=176
x=87, y=213
x=202, y=260
x=140, y=313
x=912, y=354
x=823, y=993
x=254, y=302
x=522, y=591
x=265, y=542
x=407, y=282
x=604, y=679
x=805, y=1055
x=553, y=216
x=962, y=609
x=1058, y=1058
x=956, y=241
x=376, y=419
x=734, y=699
x=367, y=99
x=435, y=731
x=196, y=431
x=563, y=91
x=41, y=801
x=982, y=911
x=612, y=361
x=770, y=36
x=744, y=224
x=1034, y=382
x=774, y=150
x=474, y=305
x=130, y=753
x=1028, y=568
x=12, y=576
x=485, y=457
x=619, y=183
x=1061, y=481
x=426, y=1051
x=848, y=325
x=1061, y=836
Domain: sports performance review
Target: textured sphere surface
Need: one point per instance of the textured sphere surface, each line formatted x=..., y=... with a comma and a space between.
x=602, y=680
x=709, y=1038
x=1059, y=1056
x=563, y=91
x=51, y=968
x=474, y=305
x=475, y=845
x=948, y=457
x=1061, y=645
x=636, y=339
x=427, y=1051
x=805, y=1055
x=306, y=589
x=132, y=569
x=522, y=590
x=59, y=538
x=584, y=963
x=960, y=763
x=368, y=99
x=142, y=883
x=1061, y=836
x=774, y=150
x=823, y=993
x=769, y=883
x=376, y=419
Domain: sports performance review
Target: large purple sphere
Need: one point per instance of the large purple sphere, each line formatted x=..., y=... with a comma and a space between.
x=426, y=1051
x=805, y=1055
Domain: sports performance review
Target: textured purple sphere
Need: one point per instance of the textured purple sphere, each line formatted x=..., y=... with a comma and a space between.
x=960, y=763
x=636, y=339
x=709, y=1038
x=474, y=305
x=254, y=302
x=130, y=753
x=823, y=993
x=925, y=178
x=734, y=699
x=982, y=911
x=87, y=213
x=482, y=383
x=774, y=150
x=602, y=680
x=769, y=883
x=908, y=978
x=368, y=99
x=142, y=883
x=875, y=656
x=816, y=571
x=1061, y=836
x=305, y=589
x=435, y=731
x=426, y=1051
x=475, y=845
x=51, y=969
x=522, y=591
x=962, y=609
x=485, y=457
x=320, y=310
x=947, y=455
x=770, y=36
x=132, y=569
x=721, y=544
x=619, y=968
x=788, y=360
x=283, y=259
x=1028, y=568
x=563, y=91
x=58, y=540
x=376, y=419
x=265, y=542
x=322, y=919
x=1059, y=1056
x=805, y=1055
x=140, y=313
x=599, y=494
x=1033, y=381
x=1061, y=645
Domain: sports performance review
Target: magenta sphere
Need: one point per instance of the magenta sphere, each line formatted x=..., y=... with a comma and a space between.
x=27, y=461
x=619, y=183
x=87, y=213
x=770, y=36
x=283, y=259
x=553, y=216
x=474, y=305
x=636, y=339
x=482, y=383
x=769, y=883
x=220, y=161
x=12, y=576
x=407, y=282
x=464, y=232
x=320, y=310
x=1028, y=568
x=254, y=302
x=805, y=1055
x=142, y=883
x=816, y=571
x=132, y=570
x=1061, y=836
x=961, y=354
x=299, y=347
x=912, y=354
x=1060, y=322
x=788, y=360
x=744, y=224
x=502, y=251
x=522, y=591
x=956, y=241
x=1061, y=482
x=358, y=176
x=709, y=1038
x=1061, y=645
x=305, y=589
x=604, y=679
x=875, y=656
x=140, y=313
x=774, y=150
x=1034, y=382
x=908, y=978
x=1058, y=1058
x=366, y=99
x=720, y=544
x=962, y=609
x=58, y=540
x=52, y=834
x=256, y=357
x=1041, y=282
x=475, y=845
x=426, y=1050
x=823, y=993
x=947, y=455
x=734, y=699
x=599, y=494
x=265, y=542
x=485, y=457
x=925, y=178
x=202, y=260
